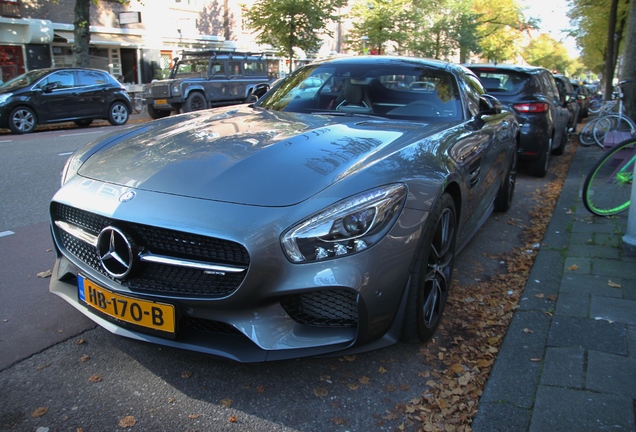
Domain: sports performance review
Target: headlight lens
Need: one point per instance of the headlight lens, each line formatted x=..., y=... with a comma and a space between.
x=347, y=227
x=4, y=97
x=176, y=90
x=71, y=167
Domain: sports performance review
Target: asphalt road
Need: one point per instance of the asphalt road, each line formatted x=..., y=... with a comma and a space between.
x=60, y=372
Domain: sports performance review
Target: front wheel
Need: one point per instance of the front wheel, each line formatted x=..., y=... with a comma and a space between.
x=431, y=273
x=155, y=113
x=503, y=201
x=118, y=114
x=539, y=167
x=608, y=186
x=22, y=120
x=195, y=102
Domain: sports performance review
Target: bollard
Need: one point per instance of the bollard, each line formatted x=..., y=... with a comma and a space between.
x=629, y=239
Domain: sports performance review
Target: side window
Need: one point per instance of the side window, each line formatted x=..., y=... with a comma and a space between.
x=61, y=80
x=235, y=68
x=217, y=69
x=92, y=78
x=550, y=86
x=254, y=68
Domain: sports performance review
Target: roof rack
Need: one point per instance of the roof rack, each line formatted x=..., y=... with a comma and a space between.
x=217, y=53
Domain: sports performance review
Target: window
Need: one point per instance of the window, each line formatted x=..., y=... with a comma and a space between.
x=235, y=68
x=92, y=78
x=254, y=68
x=61, y=80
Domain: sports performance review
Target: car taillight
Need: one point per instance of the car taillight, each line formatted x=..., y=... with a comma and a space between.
x=531, y=107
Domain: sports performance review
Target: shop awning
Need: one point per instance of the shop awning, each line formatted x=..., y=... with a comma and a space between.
x=102, y=39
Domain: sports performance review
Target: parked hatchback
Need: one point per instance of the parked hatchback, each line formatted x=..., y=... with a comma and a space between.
x=45, y=96
x=532, y=95
x=568, y=99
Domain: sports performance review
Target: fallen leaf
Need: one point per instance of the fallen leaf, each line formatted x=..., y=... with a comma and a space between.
x=613, y=284
x=226, y=403
x=539, y=296
x=260, y=389
x=353, y=386
x=457, y=368
x=186, y=374
x=45, y=274
x=364, y=380
x=170, y=400
x=321, y=392
x=95, y=379
x=573, y=267
x=194, y=416
x=84, y=358
x=44, y=366
x=382, y=370
x=233, y=419
x=79, y=341
x=128, y=421
x=39, y=412
x=338, y=420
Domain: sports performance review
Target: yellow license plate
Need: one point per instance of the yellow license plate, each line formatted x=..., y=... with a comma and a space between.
x=152, y=315
x=161, y=102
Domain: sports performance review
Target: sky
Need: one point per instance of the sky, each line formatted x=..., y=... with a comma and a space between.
x=554, y=19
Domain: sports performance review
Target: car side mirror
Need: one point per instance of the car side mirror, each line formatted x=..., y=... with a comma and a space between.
x=489, y=105
x=49, y=87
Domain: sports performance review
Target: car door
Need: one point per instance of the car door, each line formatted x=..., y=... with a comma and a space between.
x=57, y=97
x=92, y=93
x=560, y=113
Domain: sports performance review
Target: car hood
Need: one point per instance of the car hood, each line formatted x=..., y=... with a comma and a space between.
x=248, y=156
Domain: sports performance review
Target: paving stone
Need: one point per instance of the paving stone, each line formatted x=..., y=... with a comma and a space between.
x=588, y=284
x=501, y=417
x=599, y=335
x=562, y=409
x=573, y=305
x=593, y=251
x=575, y=265
x=610, y=267
x=563, y=367
x=610, y=373
x=613, y=309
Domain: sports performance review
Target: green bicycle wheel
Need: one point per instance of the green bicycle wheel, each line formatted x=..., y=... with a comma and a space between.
x=608, y=187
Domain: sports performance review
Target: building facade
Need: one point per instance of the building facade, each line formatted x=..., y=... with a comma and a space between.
x=135, y=41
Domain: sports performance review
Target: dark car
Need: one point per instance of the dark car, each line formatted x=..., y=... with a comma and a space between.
x=55, y=95
x=568, y=99
x=288, y=227
x=532, y=95
x=583, y=98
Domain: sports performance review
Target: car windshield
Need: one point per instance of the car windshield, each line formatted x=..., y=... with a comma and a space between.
x=501, y=81
x=413, y=92
x=191, y=68
x=23, y=80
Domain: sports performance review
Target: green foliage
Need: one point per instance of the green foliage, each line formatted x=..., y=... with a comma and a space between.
x=546, y=52
x=285, y=24
x=500, y=25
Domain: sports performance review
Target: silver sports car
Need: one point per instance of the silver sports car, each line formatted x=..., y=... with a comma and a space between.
x=323, y=219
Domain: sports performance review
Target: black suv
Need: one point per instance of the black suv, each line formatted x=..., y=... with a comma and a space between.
x=205, y=79
x=532, y=95
x=44, y=96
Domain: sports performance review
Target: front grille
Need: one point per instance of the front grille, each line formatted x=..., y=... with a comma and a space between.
x=328, y=308
x=160, y=91
x=208, y=326
x=152, y=277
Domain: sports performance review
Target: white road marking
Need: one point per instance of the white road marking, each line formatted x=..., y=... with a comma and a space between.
x=6, y=233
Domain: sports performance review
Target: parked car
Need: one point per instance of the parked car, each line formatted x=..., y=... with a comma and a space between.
x=203, y=79
x=56, y=95
x=568, y=99
x=532, y=95
x=583, y=98
x=287, y=227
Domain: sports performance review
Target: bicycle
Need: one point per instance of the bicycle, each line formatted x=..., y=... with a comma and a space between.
x=608, y=187
x=596, y=130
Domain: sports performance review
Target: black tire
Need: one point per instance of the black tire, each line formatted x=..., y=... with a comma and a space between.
x=564, y=141
x=195, y=102
x=539, y=167
x=431, y=273
x=157, y=114
x=83, y=122
x=503, y=200
x=118, y=114
x=22, y=120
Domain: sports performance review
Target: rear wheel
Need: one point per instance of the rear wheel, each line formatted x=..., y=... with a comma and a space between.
x=195, y=102
x=431, y=273
x=118, y=114
x=22, y=120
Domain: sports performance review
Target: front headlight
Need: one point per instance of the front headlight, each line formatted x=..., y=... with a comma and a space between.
x=176, y=89
x=347, y=227
x=71, y=167
x=4, y=97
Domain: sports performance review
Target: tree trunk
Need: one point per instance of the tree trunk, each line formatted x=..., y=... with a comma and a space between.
x=81, y=33
x=629, y=65
x=608, y=70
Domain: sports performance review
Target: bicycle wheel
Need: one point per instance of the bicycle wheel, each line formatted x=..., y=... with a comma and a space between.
x=612, y=123
x=586, y=137
x=608, y=187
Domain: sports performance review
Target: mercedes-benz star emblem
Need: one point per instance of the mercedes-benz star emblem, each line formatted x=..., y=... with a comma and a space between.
x=115, y=252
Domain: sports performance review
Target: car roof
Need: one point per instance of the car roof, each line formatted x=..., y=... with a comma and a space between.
x=389, y=61
x=507, y=67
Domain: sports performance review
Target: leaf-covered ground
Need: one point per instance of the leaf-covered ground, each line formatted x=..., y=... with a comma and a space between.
x=475, y=322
